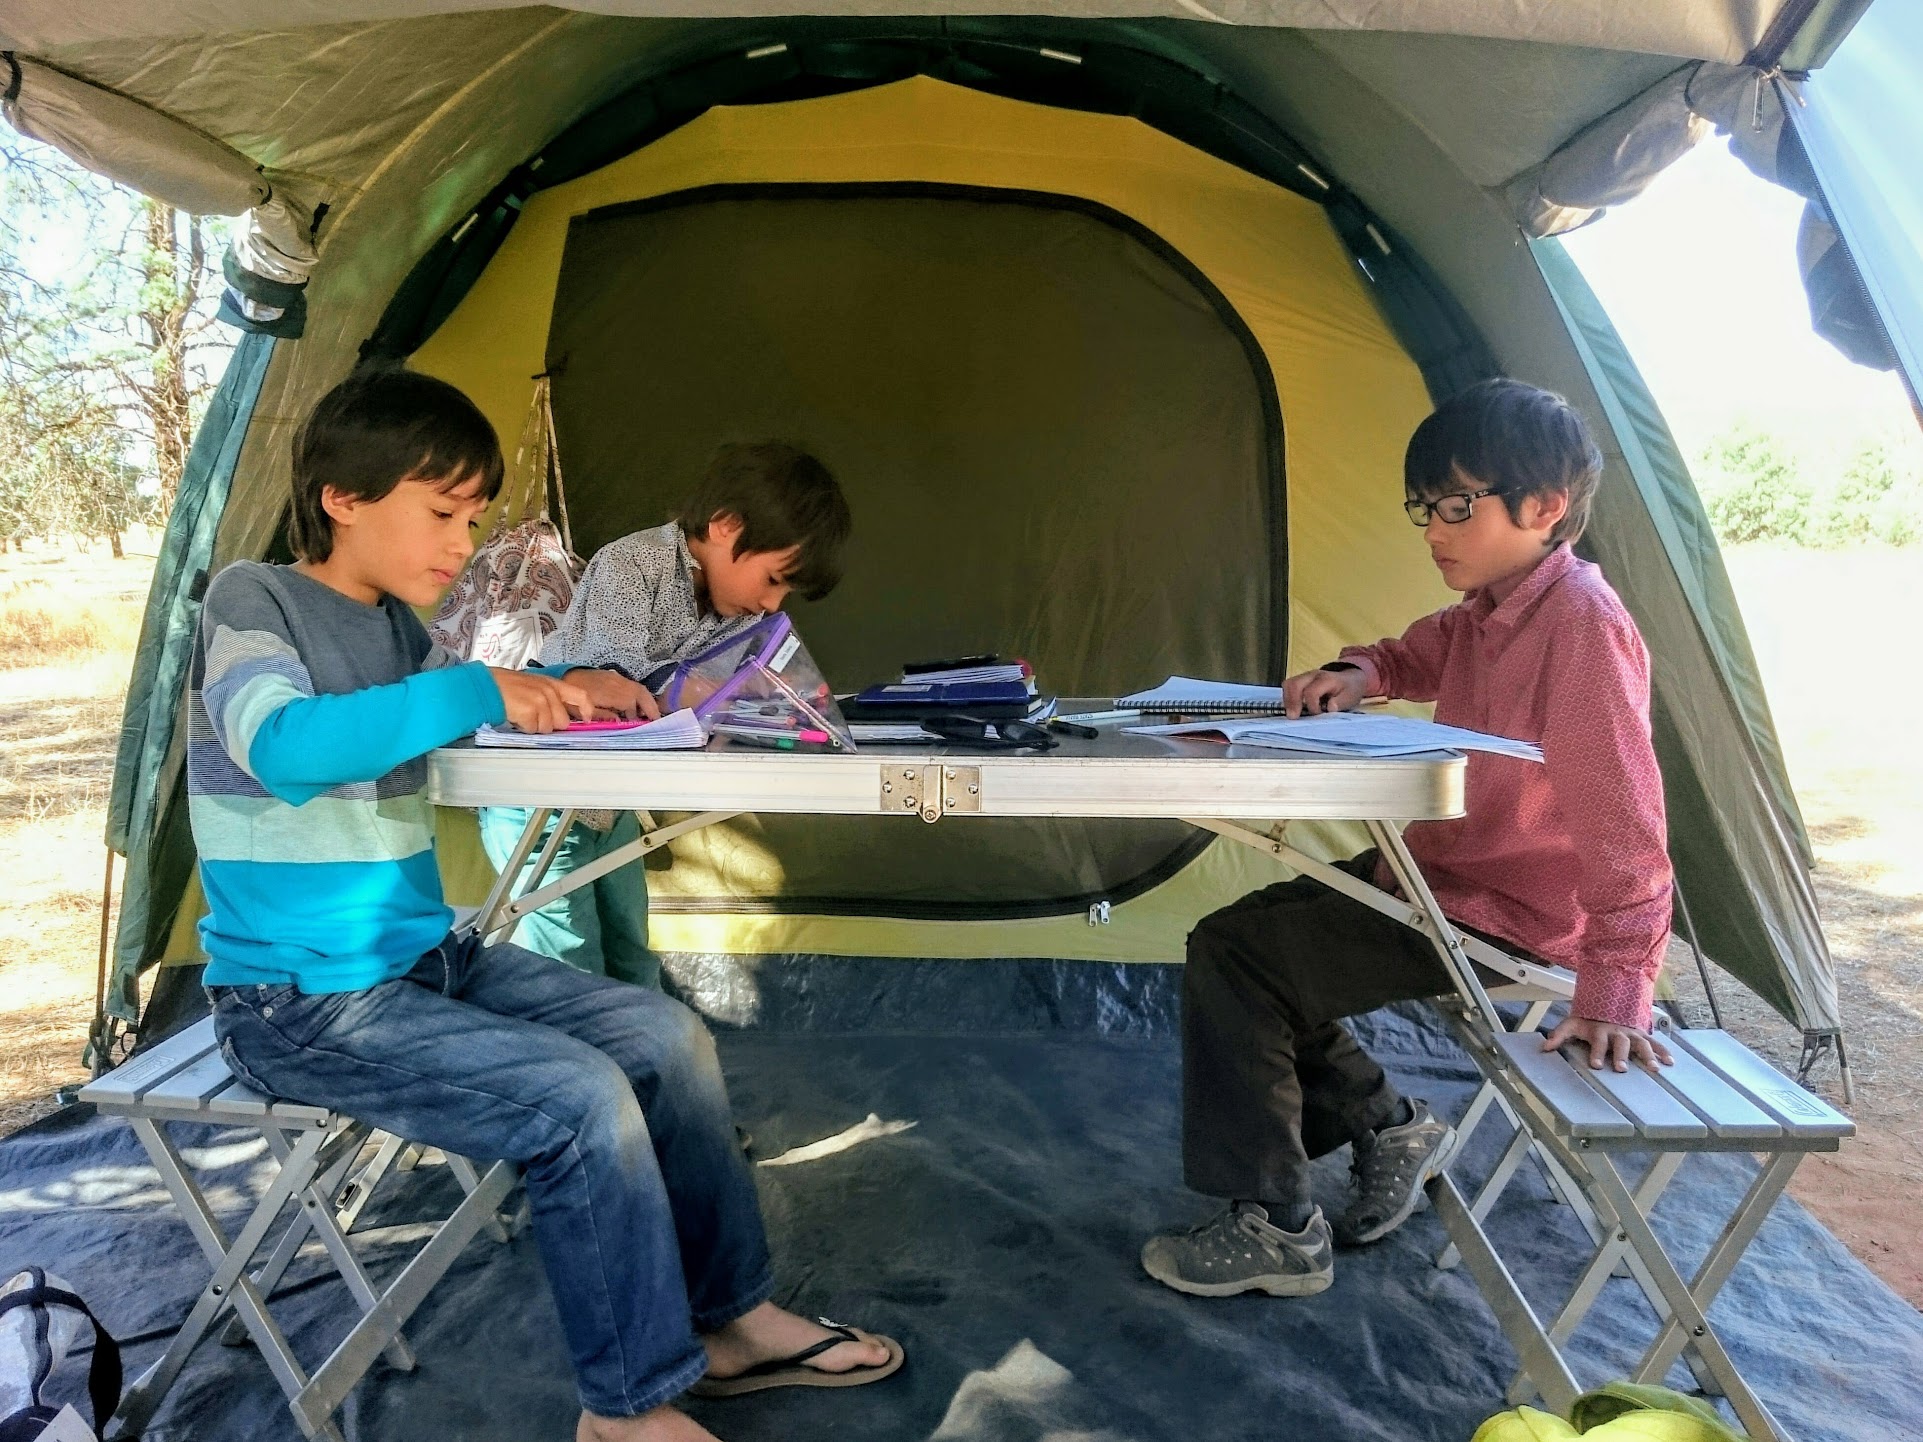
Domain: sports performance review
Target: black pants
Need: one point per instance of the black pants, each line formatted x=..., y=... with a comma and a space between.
x=1270, y=1076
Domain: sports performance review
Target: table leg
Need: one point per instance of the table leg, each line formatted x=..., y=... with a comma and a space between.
x=534, y=900
x=1442, y=935
x=486, y=918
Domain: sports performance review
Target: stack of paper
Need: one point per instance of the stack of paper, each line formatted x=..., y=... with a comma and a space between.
x=991, y=671
x=679, y=730
x=1350, y=733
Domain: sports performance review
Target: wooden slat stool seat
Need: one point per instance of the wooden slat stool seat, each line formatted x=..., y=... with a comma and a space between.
x=1718, y=1097
x=322, y=1176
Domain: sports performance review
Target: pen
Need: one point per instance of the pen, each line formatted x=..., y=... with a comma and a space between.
x=1073, y=728
x=774, y=740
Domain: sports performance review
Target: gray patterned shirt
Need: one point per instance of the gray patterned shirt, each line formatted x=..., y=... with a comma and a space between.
x=635, y=607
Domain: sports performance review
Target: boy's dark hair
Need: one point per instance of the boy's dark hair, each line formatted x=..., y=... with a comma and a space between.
x=783, y=497
x=375, y=430
x=1520, y=439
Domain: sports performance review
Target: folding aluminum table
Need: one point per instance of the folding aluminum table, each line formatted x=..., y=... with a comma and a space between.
x=1219, y=788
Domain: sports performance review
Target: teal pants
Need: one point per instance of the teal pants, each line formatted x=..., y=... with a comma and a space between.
x=601, y=928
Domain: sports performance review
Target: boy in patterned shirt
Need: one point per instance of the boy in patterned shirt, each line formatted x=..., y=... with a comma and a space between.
x=765, y=520
x=1566, y=861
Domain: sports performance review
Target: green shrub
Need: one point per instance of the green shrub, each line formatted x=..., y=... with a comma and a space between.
x=1752, y=490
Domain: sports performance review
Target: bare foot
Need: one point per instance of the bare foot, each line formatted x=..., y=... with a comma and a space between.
x=768, y=1333
x=663, y=1424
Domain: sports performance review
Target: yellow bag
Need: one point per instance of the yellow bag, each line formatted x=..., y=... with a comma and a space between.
x=1619, y=1412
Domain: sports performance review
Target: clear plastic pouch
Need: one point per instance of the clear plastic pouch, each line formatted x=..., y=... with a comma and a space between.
x=760, y=686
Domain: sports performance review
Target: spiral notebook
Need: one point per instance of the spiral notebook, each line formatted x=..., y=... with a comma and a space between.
x=1185, y=693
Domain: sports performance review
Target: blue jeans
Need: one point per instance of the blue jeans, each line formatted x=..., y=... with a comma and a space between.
x=601, y=928
x=609, y=1095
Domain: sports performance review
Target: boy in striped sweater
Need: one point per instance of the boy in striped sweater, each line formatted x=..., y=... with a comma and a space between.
x=334, y=977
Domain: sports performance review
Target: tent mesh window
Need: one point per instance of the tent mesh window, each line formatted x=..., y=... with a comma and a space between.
x=1070, y=434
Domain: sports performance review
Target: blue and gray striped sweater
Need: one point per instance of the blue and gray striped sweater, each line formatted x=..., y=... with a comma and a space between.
x=310, y=718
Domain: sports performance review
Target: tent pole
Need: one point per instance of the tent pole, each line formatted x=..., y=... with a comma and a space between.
x=99, y=1039
x=1815, y=1043
x=1696, y=950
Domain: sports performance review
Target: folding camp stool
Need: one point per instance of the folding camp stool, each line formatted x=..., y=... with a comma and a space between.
x=1718, y=1096
x=186, y=1079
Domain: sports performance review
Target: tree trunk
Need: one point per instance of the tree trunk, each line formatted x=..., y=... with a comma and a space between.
x=113, y=539
x=174, y=282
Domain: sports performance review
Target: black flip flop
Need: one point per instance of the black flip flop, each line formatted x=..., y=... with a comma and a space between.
x=794, y=1371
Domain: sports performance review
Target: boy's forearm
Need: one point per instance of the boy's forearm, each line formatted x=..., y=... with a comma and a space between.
x=316, y=743
x=1406, y=667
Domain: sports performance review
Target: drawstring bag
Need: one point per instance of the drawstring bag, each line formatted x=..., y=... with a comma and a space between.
x=515, y=591
x=40, y=1321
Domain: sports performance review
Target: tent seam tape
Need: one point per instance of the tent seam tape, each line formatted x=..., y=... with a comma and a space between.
x=434, y=117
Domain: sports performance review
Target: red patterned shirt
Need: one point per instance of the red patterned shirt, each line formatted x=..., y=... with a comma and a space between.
x=1567, y=859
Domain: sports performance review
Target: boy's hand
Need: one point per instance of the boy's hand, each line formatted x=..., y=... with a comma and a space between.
x=613, y=694
x=1317, y=691
x=540, y=703
x=1617, y=1044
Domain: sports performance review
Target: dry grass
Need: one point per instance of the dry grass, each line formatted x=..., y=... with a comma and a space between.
x=38, y=632
x=68, y=624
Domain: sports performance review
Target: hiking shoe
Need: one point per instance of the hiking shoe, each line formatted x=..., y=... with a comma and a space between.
x=1390, y=1169
x=1240, y=1251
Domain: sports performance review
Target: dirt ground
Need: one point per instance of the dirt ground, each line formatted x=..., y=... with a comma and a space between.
x=1845, y=703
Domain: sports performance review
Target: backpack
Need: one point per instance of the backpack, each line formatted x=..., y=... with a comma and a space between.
x=40, y=1320
x=515, y=591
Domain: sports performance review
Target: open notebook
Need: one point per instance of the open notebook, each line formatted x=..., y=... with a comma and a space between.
x=678, y=730
x=1349, y=733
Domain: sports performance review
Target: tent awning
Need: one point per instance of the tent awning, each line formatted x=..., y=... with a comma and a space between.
x=1726, y=30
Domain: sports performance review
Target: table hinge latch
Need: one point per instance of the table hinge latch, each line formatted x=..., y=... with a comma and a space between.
x=931, y=792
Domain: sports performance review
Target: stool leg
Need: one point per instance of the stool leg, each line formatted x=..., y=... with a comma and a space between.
x=1491, y=1190
x=229, y=1286
x=1686, y=1313
x=350, y=1200
x=1602, y=1266
x=317, y=1214
x=285, y=1250
x=1721, y=1260
x=464, y=1172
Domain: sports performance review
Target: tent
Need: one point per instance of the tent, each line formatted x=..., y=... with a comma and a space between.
x=1113, y=322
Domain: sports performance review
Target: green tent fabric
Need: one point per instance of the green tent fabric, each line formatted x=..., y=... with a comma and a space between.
x=1728, y=804
x=141, y=820
x=955, y=354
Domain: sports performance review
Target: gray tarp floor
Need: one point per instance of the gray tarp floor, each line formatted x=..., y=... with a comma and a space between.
x=997, y=1239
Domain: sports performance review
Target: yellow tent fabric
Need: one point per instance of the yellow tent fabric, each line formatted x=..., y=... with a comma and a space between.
x=1349, y=397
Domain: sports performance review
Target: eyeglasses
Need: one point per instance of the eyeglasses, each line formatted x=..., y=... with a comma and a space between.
x=1452, y=509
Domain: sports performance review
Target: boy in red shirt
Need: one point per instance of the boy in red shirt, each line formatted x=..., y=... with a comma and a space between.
x=1566, y=861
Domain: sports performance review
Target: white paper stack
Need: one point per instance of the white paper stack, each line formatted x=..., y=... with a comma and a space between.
x=1350, y=733
x=679, y=730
